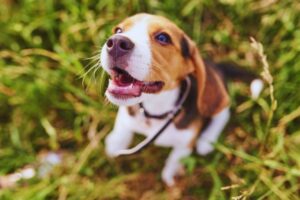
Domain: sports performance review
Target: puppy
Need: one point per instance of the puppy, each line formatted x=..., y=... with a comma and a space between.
x=149, y=60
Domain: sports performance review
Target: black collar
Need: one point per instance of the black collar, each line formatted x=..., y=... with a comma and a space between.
x=170, y=116
x=183, y=89
x=152, y=116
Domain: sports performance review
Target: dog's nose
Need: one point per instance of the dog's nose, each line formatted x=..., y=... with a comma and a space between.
x=119, y=45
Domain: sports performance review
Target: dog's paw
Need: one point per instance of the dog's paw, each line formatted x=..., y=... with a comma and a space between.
x=170, y=172
x=111, y=146
x=168, y=177
x=111, y=153
x=204, y=147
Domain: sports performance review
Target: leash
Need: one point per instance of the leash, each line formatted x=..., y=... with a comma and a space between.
x=170, y=115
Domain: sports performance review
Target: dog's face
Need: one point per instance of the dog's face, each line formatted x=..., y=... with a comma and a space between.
x=145, y=55
x=148, y=54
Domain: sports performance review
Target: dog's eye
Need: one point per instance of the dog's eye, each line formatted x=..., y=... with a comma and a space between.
x=118, y=30
x=163, y=38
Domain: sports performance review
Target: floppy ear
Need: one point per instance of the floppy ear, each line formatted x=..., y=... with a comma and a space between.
x=212, y=95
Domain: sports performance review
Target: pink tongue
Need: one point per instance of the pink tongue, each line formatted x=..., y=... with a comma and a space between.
x=128, y=90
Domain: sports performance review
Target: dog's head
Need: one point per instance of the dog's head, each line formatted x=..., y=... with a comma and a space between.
x=148, y=54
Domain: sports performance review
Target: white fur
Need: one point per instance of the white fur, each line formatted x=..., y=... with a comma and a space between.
x=140, y=59
x=138, y=62
x=256, y=88
x=180, y=140
x=212, y=132
x=124, y=102
x=126, y=125
x=161, y=102
x=122, y=134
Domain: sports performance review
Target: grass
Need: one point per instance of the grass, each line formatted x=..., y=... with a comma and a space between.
x=46, y=105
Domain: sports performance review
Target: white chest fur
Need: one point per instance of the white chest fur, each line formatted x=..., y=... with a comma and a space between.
x=169, y=138
x=156, y=104
x=179, y=139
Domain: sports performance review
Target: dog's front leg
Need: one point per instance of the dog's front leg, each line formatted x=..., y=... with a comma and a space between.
x=211, y=133
x=173, y=164
x=121, y=136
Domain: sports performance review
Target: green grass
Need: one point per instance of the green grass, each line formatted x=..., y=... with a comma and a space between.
x=45, y=104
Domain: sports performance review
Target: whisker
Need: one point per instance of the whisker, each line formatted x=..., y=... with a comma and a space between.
x=90, y=69
x=95, y=65
x=95, y=71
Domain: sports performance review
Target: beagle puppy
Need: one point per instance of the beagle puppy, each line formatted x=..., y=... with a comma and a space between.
x=148, y=58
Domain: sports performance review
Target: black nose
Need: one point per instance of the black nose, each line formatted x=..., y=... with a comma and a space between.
x=119, y=45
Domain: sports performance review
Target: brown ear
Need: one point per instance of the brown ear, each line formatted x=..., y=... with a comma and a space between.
x=212, y=95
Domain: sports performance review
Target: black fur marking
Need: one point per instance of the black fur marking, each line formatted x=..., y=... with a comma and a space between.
x=233, y=72
x=190, y=109
x=185, y=49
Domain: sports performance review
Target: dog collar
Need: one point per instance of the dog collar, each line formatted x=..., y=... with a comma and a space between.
x=147, y=114
x=170, y=116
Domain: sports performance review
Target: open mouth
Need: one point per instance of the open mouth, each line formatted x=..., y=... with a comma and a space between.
x=123, y=85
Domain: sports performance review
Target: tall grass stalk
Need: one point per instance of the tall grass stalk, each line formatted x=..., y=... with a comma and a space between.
x=266, y=74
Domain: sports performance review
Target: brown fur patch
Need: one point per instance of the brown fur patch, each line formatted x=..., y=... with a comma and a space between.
x=128, y=23
x=214, y=97
x=132, y=110
x=168, y=64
